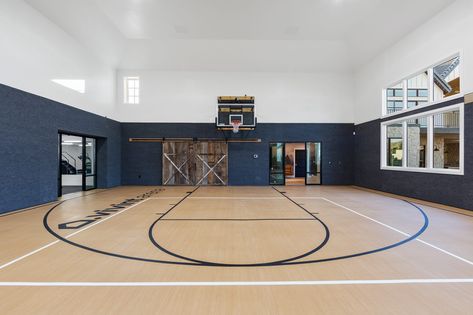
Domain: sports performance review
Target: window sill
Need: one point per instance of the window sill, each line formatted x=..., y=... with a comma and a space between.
x=424, y=170
x=408, y=110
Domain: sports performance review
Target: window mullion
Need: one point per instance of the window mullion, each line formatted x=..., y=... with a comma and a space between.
x=384, y=146
x=431, y=84
x=404, y=143
x=430, y=143
x=404, y=93
x=462, y=138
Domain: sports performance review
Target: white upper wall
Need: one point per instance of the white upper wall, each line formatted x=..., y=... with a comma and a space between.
x=298, y=69
x=176, y=96
x=238, y=35
x=447, y=33
x=34, y=51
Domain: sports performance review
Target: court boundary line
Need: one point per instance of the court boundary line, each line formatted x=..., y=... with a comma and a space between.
x=69, y=235
x=401, y=232
x=287, y=263
x=220, y=264
x=240, y=219
x=239, y=283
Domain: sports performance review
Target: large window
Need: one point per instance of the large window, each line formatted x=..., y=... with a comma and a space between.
x=132, y=90
x=427, y=142
x=429, y=86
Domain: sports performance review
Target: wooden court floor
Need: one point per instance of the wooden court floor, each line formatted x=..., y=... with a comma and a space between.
x=236, y=250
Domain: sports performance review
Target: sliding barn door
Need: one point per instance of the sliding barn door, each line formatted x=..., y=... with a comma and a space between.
x=195, y=163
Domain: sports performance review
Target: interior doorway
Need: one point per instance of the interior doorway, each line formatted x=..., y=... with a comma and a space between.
x=77, y=163
x=295, y=163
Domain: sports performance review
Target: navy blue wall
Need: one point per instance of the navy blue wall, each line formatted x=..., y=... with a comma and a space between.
x=29, y=127
x=451, y=190
x=141, y=162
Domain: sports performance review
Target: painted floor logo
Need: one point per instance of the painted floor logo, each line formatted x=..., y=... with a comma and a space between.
x=99, y=214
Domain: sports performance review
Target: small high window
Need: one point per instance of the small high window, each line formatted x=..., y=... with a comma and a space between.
x=446, y=79
x=132, y=90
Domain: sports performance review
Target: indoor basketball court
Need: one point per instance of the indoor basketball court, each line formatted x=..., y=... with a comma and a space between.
x=223, y=157
x=204, y=249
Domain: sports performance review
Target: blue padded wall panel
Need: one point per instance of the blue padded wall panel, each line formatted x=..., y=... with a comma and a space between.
x=29, y=127
x=451, y=190
x=142, y=162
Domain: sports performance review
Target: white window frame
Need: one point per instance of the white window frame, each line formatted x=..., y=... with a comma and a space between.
x=126, y=90
x=431, y=102
x=430, y=135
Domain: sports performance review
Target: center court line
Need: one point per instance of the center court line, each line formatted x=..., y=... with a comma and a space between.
x=239, y=197
x=68, y=236
x=224, y=198
x=401, y=232
x=236, y=283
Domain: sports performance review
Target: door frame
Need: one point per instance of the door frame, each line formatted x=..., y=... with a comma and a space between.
x=84, y=175
x=84, y=168
x=284, y=164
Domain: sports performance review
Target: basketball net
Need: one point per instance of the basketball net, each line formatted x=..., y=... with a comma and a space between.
x=236, y=125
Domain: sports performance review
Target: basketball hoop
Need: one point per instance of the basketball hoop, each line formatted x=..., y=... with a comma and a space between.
x=236, y=125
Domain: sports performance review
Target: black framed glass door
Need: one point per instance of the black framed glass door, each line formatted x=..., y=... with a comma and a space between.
x=77, y=163
x=90, y=165
x=309, y=165
x=276, y=163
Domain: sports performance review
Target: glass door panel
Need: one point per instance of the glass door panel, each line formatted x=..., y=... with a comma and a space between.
x=71, y=170
x=313, y=175
x=89, y=164
x=276, y=164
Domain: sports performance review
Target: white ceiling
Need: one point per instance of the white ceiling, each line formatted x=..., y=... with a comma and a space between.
x=238, y=35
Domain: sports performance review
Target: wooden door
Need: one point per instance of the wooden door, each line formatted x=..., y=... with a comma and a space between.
x=195, y=163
